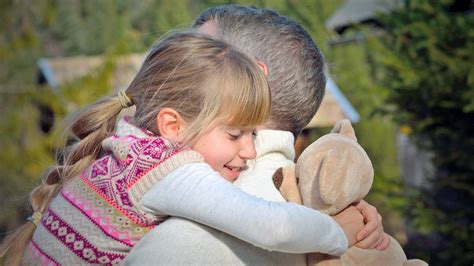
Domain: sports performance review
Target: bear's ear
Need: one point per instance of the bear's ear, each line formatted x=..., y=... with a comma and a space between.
x=331, y=175
x=344, y=127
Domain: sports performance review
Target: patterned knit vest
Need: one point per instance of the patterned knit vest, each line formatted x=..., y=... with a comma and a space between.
x=97, y=218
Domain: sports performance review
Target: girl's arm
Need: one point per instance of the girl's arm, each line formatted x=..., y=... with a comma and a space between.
x=198, y=193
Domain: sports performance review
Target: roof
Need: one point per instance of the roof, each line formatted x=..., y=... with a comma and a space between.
x=58, y=71
x=358, y=11
x=334, y=107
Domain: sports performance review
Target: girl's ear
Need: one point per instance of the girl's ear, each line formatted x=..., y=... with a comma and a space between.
x=169, y=124
x=264, y=67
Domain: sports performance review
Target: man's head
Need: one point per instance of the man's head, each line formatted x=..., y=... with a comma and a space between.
x=295, y=64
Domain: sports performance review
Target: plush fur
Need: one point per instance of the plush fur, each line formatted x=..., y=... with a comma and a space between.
x=330, y=174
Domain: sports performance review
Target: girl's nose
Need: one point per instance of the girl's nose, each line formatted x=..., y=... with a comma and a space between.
x=248, y=150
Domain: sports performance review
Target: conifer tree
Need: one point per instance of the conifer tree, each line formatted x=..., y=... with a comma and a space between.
x=426, y=65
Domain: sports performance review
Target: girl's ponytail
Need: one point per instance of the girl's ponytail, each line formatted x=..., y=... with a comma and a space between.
x=84, y=132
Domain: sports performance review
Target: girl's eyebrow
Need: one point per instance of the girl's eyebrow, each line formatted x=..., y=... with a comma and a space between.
x=235, y=129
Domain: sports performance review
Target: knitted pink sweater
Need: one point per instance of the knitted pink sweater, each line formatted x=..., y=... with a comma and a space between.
x=97, y=218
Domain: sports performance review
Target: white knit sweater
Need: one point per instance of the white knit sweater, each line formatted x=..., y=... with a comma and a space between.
x=275, y=150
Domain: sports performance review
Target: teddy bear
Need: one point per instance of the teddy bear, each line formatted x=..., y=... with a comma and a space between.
x=330, y=174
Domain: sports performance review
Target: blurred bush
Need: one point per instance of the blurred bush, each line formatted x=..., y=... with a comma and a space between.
x=425, y=65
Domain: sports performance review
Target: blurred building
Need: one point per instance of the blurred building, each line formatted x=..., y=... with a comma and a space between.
x=59, y=71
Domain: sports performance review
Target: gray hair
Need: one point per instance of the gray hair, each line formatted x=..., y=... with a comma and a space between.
x=295, y=63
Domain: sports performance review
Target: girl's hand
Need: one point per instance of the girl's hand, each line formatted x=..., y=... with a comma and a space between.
x=372, y=235
x=351, y=221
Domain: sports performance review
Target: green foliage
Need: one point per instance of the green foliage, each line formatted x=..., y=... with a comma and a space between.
x=425, y=61
x=25, y=149
x=152, y=19
x=25, y=152
x=89, y=27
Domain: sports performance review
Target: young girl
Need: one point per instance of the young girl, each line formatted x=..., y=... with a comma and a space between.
x=197, y=100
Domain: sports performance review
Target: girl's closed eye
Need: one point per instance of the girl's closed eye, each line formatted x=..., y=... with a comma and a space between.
x=234, y=134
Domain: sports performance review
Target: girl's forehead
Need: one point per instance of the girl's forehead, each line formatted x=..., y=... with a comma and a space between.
x=237, y=129
x=234, y=123
x=230, y=125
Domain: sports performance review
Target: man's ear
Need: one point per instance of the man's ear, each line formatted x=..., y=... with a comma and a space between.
x=264, y=67
x=169, y=123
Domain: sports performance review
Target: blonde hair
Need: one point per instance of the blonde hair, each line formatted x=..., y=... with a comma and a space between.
x=205, y=80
